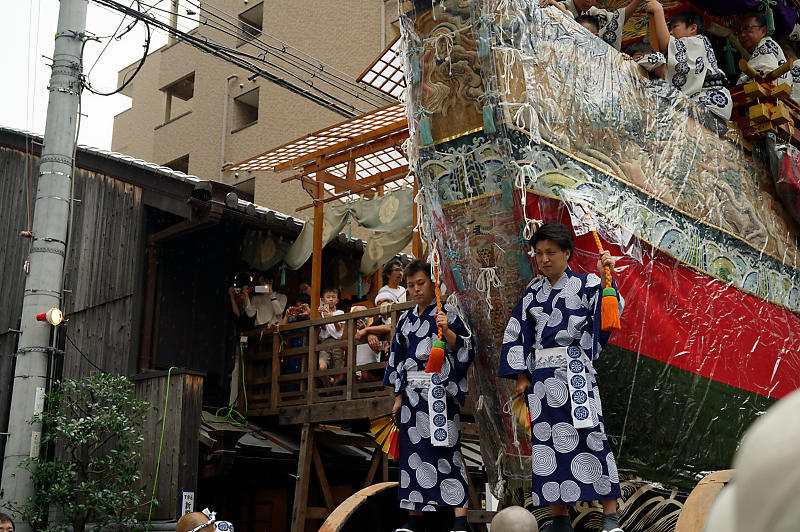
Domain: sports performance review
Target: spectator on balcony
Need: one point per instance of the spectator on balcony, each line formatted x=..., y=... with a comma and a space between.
x=392, y=279
x=238, y=294
x=299, y=311
x=332, y=332
x=377, y=336
x=266, y=304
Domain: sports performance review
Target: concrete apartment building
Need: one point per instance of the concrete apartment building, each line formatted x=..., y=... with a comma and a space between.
x=197, y=113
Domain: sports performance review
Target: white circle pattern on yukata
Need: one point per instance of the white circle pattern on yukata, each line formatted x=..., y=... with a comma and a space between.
x=538, y=390
x=415, y=496
x=414, y=461
x=542, y=431
x=413, y=435
x=452, y=433
x=565, y=437
x=413, y=396
x=534, y=407
x=512, y=330
x=405, y=414
x=557, y=392
x=405, y=479
x=426, y=475
x=452, y=491
x=602, y=485
x=516, y=357
x=543, y=460
x=570, y=491
x=586, y=468
x=595, y=441
x=423, y=424
x=444, y=466
x=551, y=491
x=424, y=348
x=613, y=475
x=423, y=330
x=535, y=500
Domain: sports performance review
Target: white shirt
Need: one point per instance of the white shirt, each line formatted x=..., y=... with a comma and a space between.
x=399, y=293
x=268, y=308
x=329, y=330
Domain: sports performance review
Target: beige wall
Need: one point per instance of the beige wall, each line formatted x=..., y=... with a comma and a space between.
x=346, y=35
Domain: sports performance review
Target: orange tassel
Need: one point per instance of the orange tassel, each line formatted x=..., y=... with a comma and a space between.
x=436, y=358
x=609, y=310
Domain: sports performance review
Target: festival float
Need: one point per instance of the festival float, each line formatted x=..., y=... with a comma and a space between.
x=517, y=115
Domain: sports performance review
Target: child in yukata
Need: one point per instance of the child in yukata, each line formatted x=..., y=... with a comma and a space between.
x=426, y=406
x=691, y=62
x=549, y=345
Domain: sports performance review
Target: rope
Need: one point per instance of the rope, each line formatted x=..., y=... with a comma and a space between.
x=607, y=270
x=160, y=446
x=231, y=415
x=486, y=279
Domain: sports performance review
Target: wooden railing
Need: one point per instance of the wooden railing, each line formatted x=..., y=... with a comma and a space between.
x=281, y=365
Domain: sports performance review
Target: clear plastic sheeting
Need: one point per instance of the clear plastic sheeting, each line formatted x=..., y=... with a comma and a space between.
x=518, y=115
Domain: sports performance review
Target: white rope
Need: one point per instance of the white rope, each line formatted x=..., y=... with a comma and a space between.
x=467, y=186
x=502, y=7
x=523, y=178
x=455, y=303
x=448, y=40
x=488, y=278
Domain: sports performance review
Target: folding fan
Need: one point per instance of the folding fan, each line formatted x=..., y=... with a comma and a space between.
x=520, y=409
x=386, y=434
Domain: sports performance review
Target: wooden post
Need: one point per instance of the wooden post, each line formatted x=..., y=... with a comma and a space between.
x=316, y=255
x=312, y=363
x=351, y=349
x=330, y=503
x=385, y=467
x=416, y=241
x=148, y=319
x=377, y=456
x=303, y=475
x=276, y=370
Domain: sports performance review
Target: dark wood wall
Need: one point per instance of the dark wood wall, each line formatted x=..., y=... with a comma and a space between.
x=103, y=270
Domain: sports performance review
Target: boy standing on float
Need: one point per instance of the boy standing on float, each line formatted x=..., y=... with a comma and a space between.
x=426, y=407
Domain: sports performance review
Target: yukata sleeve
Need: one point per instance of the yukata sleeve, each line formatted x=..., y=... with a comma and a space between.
x=765, y=58
x=595, y=296
x=686, y=64
x=611, y=23
x=461, y=357
x=517, y=342
x=395, y=374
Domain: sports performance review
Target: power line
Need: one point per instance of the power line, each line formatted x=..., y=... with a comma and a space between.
x=98, y=368
x=352, y=88
x=323, y=98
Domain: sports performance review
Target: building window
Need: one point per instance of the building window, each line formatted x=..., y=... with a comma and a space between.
x=178, y=97
x=251, y=23
x=181, y=164
x=245, y=110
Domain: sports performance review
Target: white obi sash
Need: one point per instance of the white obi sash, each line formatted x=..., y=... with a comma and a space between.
x=437, y=404
x=574, y=359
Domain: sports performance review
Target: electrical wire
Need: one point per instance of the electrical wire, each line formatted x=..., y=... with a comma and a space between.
x=98, y=368
x=231, y=415
x=376, y=100
x=127, y=81
x=215, y=49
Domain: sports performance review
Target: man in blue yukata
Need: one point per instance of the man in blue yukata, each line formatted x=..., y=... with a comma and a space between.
x=549, y=345
x=426, y=407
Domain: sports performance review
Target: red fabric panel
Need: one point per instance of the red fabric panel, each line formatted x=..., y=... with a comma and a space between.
x=690, y=320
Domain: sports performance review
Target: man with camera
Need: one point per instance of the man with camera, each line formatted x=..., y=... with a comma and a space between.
x=267, y=304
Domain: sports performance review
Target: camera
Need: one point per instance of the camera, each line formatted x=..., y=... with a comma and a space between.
x=265, y=289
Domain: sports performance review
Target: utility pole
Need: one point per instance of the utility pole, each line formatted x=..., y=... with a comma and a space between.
x=44, y=282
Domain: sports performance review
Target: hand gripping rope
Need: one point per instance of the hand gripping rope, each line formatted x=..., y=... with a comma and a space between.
x=436, y=358
x=609, y=309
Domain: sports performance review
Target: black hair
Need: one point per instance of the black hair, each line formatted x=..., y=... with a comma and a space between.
x=303, y=298
x=759, y=17
x=416, y=266
x=688, y=18
x=555, y=232
x=268, y=276
x=387, y=268
x=5, y=518
x=638, y=47
x=591, y=20
x=328, y=290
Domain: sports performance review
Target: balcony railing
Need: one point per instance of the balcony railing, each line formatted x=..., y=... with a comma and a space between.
x=281, y=366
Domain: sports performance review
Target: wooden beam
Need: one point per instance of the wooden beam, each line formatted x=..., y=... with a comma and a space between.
x=276, y=370
x=385, y=468
x=390, y=131
x=373, y=466
x=330, y=503
x=389, y=176
x=336, y=410
x=299, y=512
x=316, y=255
x=339, y=157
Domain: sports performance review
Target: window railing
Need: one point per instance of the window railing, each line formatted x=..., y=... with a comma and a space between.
x=281, y=365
